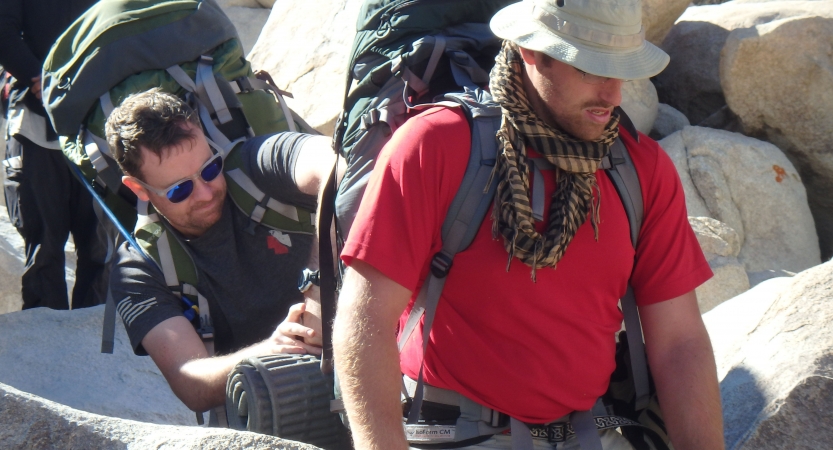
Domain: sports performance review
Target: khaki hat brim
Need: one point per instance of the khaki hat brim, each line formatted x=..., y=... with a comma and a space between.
x=515, y=23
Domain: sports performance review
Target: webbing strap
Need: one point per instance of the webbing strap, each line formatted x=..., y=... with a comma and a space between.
x=624, y=177
x=106, y=104
x=636, y=345
x=208, y=91
x=431, y=293
x=247, y=84
x=218, y=140
x=179, y=75
x=248, y=185
x=287, y=113
x=166, y=260
x=585, y=428
x=98, y=155
x=538, y=200
x=466, y=71
x=327, y=271
x=521, y=437
x=436, y=53
x=218, y=137
x=108, y=330
x=412, y=83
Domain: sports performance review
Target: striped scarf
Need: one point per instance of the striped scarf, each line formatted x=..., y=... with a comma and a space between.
x=576, y=162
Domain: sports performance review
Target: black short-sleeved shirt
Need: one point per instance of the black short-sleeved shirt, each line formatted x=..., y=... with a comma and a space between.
x=249, y=280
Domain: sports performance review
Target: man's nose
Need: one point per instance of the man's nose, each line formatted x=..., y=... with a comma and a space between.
x=202, y=190
x=611, y=91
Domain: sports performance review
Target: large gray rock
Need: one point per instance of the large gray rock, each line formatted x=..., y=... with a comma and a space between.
x=774, y=351
x=32, y=423
x=55, y=355
x=721, y=246
x=796, y=55
x=639, y=100
x=754, y=189
x=668, y=121
x=305, y=46
x=658, y=17
x=691, y=82
x=249, y=17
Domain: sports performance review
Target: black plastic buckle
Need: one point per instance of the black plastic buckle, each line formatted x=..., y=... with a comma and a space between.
x=441, y=264
x=244, y=84
x=206, y=332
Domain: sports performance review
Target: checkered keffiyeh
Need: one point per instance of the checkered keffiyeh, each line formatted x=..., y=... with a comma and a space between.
x=575, y=160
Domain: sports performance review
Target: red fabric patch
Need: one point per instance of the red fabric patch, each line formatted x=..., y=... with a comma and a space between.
x=276, y=246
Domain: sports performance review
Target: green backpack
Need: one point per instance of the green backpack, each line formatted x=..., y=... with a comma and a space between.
x=188, y=48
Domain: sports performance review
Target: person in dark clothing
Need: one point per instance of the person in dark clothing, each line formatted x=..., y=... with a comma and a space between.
x=44, y=201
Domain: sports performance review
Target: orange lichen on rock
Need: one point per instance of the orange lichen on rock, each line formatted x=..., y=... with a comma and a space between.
x=780, y=173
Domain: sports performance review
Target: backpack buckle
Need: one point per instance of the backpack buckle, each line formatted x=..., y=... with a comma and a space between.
x=244, y=84
x=441, y=264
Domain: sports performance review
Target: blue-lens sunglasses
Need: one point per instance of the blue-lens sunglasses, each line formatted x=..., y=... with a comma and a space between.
x=182, y=189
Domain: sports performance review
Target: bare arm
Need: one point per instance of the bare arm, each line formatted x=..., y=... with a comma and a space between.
x=682, y=363
x=312, y=169
x=314, y=164
x=367, y=359
x=200, y=381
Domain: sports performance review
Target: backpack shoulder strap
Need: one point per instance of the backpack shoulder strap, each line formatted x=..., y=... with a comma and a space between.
x=177, y=267
x=463, y=219
x=622, y=173
x=258, y=206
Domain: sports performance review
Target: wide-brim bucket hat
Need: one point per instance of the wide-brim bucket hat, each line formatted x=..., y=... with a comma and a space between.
x=602, y=37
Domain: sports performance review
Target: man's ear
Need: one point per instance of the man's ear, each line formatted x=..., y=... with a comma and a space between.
x=528, y=56
x=137, y=188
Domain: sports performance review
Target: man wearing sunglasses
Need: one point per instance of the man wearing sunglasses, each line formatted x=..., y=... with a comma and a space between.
x=248, y=275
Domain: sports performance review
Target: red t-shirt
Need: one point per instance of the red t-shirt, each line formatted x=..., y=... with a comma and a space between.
x=533, y=350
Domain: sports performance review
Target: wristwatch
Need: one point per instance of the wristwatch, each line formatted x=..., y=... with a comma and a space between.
x=307, y=279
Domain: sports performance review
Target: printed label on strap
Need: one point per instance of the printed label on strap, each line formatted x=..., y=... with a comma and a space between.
x=427, y=433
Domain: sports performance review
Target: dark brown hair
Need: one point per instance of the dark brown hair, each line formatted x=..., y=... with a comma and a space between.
x=152, y=119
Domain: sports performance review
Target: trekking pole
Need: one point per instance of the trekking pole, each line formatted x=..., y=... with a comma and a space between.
x=122, y=231
x=108, y=331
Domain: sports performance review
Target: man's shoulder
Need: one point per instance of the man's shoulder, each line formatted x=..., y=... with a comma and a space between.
x=648, y=157
x=437, y=119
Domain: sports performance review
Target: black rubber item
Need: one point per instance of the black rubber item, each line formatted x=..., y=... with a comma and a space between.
x=327, y=276
x=285, y=396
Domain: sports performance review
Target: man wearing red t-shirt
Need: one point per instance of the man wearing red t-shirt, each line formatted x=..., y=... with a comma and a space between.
x=526, y=322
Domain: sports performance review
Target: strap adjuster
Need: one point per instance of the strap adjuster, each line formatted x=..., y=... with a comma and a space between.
x=441, y=264
x=244, y=84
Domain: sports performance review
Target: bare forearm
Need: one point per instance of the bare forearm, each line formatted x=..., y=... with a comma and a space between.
x=367, y=361
x=690, y=396
x=201, y=383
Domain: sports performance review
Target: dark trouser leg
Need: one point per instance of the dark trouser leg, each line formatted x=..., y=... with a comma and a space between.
x=91, y=280
x=38, y=206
